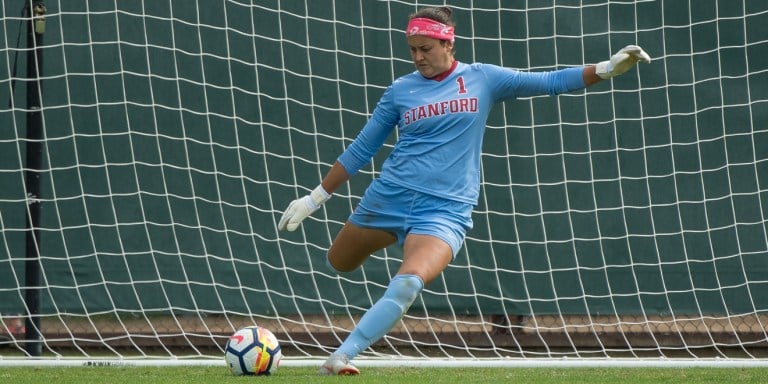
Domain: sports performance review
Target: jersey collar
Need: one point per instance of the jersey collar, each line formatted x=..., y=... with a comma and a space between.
x=445, y=74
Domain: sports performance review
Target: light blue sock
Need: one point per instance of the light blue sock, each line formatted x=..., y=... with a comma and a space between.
x=400, y=294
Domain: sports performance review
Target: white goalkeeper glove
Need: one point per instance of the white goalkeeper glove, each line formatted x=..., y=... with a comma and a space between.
x=302, y=207
x=622, y=61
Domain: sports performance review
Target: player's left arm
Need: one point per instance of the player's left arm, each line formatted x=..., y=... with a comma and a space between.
x=590, y=75
x=618, y=64
x=510, y=84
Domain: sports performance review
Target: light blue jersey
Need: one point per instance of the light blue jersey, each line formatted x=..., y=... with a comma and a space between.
x=441, y=125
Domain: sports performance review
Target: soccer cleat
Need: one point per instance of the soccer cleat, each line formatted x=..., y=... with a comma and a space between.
x=338, y=364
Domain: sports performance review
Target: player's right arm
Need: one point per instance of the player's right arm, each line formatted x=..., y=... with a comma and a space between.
x=302, y=207
x=360, y=152
x=335, y=177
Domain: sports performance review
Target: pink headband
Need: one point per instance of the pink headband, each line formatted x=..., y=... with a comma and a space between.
x=429, y=28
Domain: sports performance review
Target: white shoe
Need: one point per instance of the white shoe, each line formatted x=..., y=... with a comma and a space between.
x=338, y=364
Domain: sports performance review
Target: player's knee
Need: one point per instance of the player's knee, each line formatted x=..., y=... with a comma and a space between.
x=338, y=268
x=403, y=290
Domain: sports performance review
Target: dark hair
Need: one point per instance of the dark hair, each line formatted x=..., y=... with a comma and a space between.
x=440, y=14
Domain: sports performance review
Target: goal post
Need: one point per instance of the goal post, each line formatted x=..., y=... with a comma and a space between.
x=627, y=221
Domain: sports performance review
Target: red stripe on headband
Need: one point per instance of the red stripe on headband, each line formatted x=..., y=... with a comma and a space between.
x=429, y=28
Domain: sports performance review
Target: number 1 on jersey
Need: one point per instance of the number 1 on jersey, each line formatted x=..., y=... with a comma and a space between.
x=460, y=82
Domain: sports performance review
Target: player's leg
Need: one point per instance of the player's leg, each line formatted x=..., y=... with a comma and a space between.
x=424, y=258
x=431, y=231
x=354, y=244
x=376, y=223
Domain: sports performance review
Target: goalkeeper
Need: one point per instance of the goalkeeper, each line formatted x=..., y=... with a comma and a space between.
x=429, y=184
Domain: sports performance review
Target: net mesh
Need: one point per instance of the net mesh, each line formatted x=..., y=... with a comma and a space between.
x=626, y=220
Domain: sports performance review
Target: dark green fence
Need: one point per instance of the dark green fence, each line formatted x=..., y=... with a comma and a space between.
x=177, y=132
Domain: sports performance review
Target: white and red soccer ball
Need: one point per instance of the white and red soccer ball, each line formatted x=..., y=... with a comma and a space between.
x=253, y=350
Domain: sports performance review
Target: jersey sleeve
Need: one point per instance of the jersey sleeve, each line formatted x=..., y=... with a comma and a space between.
x=510, y=83
x=372, y=136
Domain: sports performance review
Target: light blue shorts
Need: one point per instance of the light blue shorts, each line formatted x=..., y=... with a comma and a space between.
x=403, y=211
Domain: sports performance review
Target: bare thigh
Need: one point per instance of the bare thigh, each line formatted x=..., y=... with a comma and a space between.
x=354, y=244
x=425, y=256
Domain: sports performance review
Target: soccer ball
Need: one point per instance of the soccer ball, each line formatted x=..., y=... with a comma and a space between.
x=253, y=351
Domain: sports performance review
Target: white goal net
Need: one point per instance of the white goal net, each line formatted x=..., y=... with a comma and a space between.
x=140, y=196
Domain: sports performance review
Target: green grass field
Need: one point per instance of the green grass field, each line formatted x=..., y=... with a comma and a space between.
x=219, y=375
